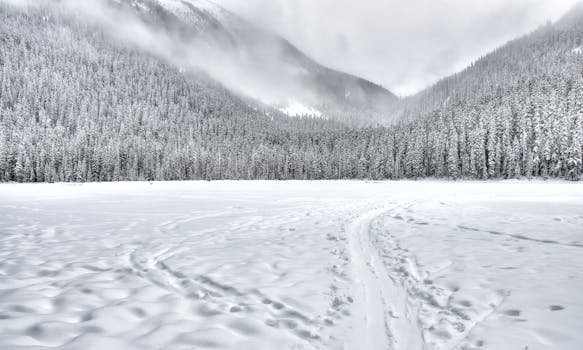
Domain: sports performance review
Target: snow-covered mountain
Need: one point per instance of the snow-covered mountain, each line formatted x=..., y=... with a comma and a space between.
x=125, y=94
x=552, y=52
x=259, y=64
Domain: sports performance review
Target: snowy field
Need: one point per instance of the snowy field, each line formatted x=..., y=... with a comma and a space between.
x=292, y=265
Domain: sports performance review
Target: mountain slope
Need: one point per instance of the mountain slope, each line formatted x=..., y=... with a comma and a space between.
x=258, y=64
x=516, y=112
x=551, y=50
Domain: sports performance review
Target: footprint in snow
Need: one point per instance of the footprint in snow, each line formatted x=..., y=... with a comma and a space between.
x=466, y=303
x=512, y=313
x=556, y=308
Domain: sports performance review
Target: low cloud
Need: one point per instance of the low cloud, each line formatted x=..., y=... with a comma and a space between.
x=190, y=53
x=403, y=45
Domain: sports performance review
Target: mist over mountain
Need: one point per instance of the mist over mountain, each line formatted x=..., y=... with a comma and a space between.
x=548, y=53
x=204, y=38
x=405, y=46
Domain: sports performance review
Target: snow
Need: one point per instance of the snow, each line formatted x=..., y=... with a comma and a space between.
x=578, y=50
x=296, y=69
x=292, y=265
x=206, y=5
x=296, y=109
x=178, y=6
x=174, y=6
x=182, y=10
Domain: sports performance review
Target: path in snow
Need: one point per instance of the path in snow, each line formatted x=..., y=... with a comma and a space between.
x=497, y=270
x=291, y=265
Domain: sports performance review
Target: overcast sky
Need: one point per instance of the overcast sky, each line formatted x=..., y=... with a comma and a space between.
x=404, y=45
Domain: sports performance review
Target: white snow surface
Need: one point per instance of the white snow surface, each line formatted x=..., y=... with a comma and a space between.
x=292, y=265
x=296, y=109
x=578, y=50
x=181, y=9
x=179, y=6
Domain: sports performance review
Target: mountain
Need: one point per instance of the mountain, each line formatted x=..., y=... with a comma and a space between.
x=129, y=92
x=551, y=51
x=260, y=65
x=517, y=111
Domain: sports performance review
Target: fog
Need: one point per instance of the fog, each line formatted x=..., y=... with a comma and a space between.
x=403, y=45
x=205, y=55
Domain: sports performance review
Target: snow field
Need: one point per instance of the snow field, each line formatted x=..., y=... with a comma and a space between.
x=291, y=265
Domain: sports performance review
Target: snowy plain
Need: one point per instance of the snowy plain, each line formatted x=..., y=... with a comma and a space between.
x=292, y=265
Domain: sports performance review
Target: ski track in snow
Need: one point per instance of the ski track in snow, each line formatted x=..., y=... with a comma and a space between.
x=385, y=319
x=291, y=265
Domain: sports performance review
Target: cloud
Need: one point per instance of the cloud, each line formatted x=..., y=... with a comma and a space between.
x=190, y=53
x=403, y=45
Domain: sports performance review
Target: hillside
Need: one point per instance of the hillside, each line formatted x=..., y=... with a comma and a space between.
x=517, y=111
x=252, y=62
x=77, y=104
x=552, y=52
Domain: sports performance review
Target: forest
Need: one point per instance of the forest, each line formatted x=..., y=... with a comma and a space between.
x=76, y=106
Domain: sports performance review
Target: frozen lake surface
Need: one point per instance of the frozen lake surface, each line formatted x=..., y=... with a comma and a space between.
x=292, y=265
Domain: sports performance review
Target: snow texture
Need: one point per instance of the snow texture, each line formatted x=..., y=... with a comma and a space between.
x=300, y=110
x=292, y=265
x=183, y=10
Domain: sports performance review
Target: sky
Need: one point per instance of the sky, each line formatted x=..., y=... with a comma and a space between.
x=403, y=45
